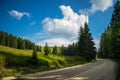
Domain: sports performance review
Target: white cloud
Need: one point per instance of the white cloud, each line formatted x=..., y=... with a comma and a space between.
x=18, y=15
x=66, y=29
x=55, y=41
x=97, y=42
x=68, y=26
x=98, y=5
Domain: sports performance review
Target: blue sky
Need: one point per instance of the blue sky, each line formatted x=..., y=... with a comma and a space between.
x=56, y=22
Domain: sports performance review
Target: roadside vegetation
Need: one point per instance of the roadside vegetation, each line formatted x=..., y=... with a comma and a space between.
x=14, y=62
x=110, y=38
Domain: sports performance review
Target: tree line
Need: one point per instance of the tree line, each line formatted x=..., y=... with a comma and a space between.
x=84, y=47
x=16, y=42
x=110, y=39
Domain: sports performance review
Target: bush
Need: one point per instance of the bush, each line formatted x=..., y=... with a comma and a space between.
x=12, y=60
x=34, y=58
x=75, y=60
x=2, y=61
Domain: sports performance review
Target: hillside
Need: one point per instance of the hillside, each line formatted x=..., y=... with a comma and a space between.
x=16, y=62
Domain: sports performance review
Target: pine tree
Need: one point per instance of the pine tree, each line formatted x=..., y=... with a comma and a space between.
x=85, y=44
x=116, y=39
x=116, y=13
x=55, y=50
x=115, y=28
x=13, y=42
x=81, y=43
x=46, y=49
x=34, y=58
x=63, y=50
x=7, y=40
x=21, y=43
x=110, y=39
x=2, y=38
x=40, y=49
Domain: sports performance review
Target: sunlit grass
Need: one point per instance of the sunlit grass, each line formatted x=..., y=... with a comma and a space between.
x=16, y=62
x=14, y=51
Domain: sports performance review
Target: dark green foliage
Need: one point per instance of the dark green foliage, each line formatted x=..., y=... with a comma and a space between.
x=72, y=50
x=81, y=42
x=115, y=40
x=16, y=42
x=86, y=44
x=55, y=50
x=2, y=38
x=110, y=42
x=63, y=50
x=39, y=48
x=46, y=49
x=34, y=59
x=13, y=42
x=103, y=47
x=116, y=13
x=110, y=39
x=14, y=60
x=7, y=40
x=21, y=43
x=84, y=47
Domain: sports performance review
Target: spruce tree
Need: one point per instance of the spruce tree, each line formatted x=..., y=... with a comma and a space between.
x=81, y=42
x=116, y=39
x=2, y=38
x=115, y=28
x=116, y=13
x=54, y=50
x=34, y=58
x=46, y=49
x=85, y=44
x=63, y=50
x=7, y=40
x=110, y=39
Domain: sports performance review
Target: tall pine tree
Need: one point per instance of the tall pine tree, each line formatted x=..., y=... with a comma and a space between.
x=85, y=44
x=116, y=13
x=46, y=49
x=110, y=39
x=54, y=50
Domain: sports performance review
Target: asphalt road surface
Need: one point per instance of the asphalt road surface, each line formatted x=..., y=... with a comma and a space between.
x=102, y=69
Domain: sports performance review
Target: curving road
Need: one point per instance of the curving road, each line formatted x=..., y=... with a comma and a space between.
x=102, y=69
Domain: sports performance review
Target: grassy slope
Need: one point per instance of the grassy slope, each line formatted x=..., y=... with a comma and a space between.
x=16, y=62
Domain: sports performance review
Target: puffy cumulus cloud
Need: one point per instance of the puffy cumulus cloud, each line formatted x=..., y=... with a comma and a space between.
x=18, y=15
x=98, y=5
x=55, y=41
x=68, y=26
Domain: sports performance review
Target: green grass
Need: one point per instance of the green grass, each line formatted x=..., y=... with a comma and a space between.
x=16, y=52
x=15, y=62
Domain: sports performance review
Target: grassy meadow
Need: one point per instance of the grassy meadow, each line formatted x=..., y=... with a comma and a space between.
x=14, y=62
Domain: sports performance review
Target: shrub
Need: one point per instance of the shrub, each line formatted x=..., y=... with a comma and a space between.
x=2, y=61
x=34, y=58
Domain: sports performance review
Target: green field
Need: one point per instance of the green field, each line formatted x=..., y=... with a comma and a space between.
x=14, y=62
